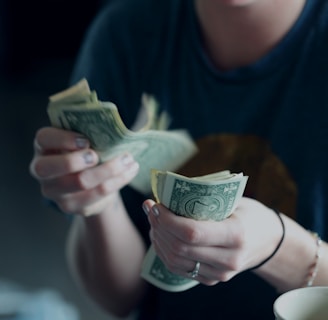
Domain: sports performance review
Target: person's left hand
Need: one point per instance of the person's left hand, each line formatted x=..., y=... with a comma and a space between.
x=223, y=248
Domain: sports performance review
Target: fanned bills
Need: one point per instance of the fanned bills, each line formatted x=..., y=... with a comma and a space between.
x=210, y=197
x=152, y=145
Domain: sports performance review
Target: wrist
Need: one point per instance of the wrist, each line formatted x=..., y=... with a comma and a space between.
x=291, y=265
x=260, y=264
x=314, y=267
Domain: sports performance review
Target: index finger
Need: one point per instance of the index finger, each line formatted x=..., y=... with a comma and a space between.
x=49, y=139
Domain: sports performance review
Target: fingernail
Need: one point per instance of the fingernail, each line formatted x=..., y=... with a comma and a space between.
x=127, y=159
x=145, y=209
x=88, y=157
x=155, y=211
x=81, y=143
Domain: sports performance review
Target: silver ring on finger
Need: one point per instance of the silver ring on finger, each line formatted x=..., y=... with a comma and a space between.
x=194, y=273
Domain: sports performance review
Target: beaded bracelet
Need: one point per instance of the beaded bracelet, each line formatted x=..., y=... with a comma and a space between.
x=315, y=265
x=277, y=247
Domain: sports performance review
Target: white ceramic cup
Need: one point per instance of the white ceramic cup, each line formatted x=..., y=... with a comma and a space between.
x=310, y=303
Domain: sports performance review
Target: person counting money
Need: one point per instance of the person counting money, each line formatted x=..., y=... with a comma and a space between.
x=247, y=79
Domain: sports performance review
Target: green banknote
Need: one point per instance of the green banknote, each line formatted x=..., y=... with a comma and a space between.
x=209, y=197
x=149, y=141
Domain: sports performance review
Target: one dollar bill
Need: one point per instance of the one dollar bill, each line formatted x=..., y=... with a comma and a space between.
x=210, y=197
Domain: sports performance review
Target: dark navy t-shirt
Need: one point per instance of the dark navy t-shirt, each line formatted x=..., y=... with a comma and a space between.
x=268, y=119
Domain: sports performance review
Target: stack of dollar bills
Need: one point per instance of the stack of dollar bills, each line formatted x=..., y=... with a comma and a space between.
x=210, y=197
x=151, y=144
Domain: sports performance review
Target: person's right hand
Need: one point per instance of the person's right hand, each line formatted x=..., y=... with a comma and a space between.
x=68, y=172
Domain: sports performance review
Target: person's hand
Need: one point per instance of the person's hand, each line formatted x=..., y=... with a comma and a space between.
x=223, y=248
x=69, y=174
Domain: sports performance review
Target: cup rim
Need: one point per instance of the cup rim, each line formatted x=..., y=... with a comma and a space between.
x=295, y=292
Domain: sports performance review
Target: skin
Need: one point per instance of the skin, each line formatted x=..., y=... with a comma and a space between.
x=67, y=171
x=103, y=241
x=228, y=28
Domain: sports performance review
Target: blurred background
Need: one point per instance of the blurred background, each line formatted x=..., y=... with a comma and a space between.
x=38, y=44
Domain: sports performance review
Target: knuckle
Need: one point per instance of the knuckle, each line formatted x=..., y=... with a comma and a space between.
x=193, y=235
x=104, y=189
x=82, y=180
x=37, y=169
x=237, y=234
x=65, y=206
x=234, y=263
x=40, y=135
x=225, y=276
x=70, y=207
x=239, y=240
x=83, y=212
x=181, y=250
x=110, y=186
x=111, y=168
x=210, y=282
x=32, y=168
x=68, y=163
x=45, y=191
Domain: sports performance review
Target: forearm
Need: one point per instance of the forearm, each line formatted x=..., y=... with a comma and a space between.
x=291, y=266
x=105, y=252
